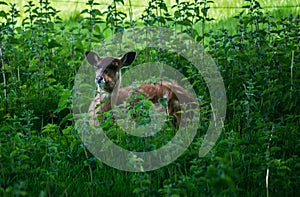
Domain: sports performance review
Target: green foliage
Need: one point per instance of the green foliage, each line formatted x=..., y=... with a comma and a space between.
x=42, y=154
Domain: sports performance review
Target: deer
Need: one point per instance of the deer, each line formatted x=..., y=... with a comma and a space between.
x=108, y=78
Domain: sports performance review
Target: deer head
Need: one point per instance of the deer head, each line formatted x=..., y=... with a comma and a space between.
x=108, y=69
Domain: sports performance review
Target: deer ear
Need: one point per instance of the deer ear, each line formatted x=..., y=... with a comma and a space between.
x=92, y=58
x=128, y=58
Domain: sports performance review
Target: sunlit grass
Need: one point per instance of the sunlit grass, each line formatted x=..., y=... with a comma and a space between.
x=220, y=9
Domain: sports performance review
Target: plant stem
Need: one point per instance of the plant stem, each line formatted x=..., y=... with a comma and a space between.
x=131, y=15
x=292, y=66
x=4, y=81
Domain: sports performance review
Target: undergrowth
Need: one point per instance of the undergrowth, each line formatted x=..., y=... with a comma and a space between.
x=42, y=154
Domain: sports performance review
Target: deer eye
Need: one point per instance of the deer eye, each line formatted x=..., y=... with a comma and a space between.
x=113, y=67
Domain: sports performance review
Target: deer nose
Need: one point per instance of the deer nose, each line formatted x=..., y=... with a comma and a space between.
x=99, y=80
